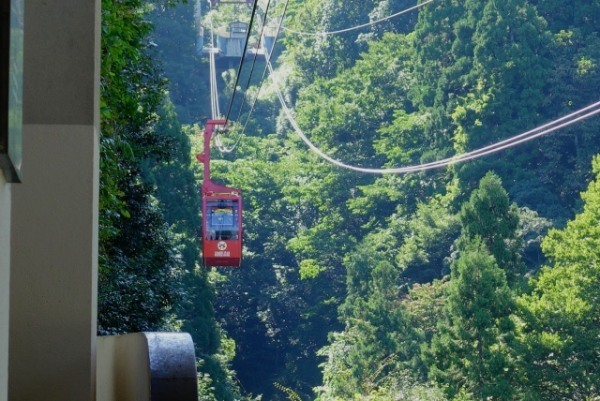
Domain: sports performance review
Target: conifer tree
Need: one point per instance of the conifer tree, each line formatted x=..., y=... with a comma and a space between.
x=470, y=352
x=489, y=215
x=562, y=314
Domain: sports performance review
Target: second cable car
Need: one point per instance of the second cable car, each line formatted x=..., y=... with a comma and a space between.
x=221, y=214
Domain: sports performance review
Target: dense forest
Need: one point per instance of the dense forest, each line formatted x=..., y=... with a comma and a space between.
x=475, y=281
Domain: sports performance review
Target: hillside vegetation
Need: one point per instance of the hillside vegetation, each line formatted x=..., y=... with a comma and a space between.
x=476, y=281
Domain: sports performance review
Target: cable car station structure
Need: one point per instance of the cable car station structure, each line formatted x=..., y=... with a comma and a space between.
x=230, y=40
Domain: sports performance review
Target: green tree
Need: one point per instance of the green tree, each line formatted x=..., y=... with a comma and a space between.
x=489, y=216
x=471, y=350
x=330, y=54
x=173, y=39
x=176, y=189
x=275, y=317
x=561, y=316
x=137, y=281
x=148, y=275
x=433, y=42
x=138, y=271
x=430, y=233
x=377, y=341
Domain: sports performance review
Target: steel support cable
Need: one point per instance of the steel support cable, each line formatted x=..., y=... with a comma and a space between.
x=210, y=64
x=239, y=72
x=268, y=53
x=542, y=130
x=215, y=96
x=354, y=28
x=260, y=41
x=219, y=143
x=214, y=87
x=214, y=90
x=280, y=26
x=214, y=74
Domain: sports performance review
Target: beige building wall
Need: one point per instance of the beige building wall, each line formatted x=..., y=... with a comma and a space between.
x=123, y=368
x=49, y=236
x=54, y=266
x=4, y=282
x=53, y=212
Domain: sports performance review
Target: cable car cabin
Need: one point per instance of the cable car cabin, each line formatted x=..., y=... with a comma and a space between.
x=222, y=228
x=221, y=214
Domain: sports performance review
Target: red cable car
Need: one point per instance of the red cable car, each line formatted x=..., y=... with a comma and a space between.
x=221, y=214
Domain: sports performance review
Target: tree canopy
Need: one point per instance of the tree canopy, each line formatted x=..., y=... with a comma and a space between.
x=436, y=285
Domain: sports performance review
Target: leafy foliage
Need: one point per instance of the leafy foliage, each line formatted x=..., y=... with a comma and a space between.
x=356, y=287
x=471, y=349
x=137, y=267
x=560, y=316
x=148, y=276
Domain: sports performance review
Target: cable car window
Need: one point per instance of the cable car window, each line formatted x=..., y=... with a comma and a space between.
x=222, y=219
x=238, y=27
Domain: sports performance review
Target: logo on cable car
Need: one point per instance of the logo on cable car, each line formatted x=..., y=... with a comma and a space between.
x=222, y=246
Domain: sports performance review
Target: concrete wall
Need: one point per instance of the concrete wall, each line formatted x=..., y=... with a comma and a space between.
x=54, y=211
x=5, y=202
x=123, y=368
x=54, y=266
x=49, y=236
x=147, y=367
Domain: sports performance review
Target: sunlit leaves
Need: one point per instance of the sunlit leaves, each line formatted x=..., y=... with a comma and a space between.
x=470, y=352
x=561, y=315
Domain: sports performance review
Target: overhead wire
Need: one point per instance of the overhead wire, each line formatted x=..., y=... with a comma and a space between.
x=215, y=110
x=214, y=90
x=218, y=142
x=260, y=41
x=545, y=129
x=539, y=131
x=268, y=55
x=367, y=24
x=239, y=72
x=280, y=26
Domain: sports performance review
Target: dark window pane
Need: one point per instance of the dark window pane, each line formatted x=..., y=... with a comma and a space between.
x=11, y=87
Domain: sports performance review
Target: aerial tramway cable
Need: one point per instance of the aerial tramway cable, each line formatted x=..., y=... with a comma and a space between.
x=260, y=41
x=214, y=91
x=367, y=24
x=239, y=72
x=542, y=130
x=222, y=148
x=268, y=53
x=545, y=129
x=280, y=26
